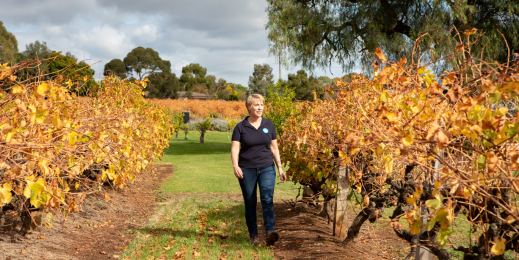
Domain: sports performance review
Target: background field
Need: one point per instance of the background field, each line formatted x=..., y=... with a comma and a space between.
x=205, y=108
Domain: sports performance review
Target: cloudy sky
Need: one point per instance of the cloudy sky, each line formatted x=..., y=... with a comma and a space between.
x=226, y=36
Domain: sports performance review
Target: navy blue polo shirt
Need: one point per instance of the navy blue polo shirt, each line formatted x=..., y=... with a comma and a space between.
x=255, y=143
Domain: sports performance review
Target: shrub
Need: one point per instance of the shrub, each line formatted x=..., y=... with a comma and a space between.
x=203, y=126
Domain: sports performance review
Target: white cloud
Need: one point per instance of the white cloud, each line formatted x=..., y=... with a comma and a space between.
x=211, y=33
x=54, y=29
x=147, y=32
x=178, y=65
x=105, y=40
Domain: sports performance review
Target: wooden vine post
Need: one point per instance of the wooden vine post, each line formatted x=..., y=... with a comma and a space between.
x=340, y=228
x=423, y=253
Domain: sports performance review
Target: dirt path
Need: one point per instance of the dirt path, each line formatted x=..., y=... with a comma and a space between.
x=304, y=235
x=99, y=231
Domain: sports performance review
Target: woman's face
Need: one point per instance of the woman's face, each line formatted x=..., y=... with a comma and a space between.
x=256, y=108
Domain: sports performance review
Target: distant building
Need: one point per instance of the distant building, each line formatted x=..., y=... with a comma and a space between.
x=194, y=95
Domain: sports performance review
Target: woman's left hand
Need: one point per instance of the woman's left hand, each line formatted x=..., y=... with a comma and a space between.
x=282, y=175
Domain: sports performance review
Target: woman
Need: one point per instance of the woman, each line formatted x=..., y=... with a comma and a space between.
x=254, y=166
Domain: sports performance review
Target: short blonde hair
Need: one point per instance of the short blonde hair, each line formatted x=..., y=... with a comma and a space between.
x=251, y=98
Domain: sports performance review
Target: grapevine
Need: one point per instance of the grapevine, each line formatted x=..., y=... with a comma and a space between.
x=205, y=108
x=441, y=149
x=56, y=148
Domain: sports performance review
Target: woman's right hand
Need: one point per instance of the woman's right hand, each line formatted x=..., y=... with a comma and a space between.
x=238, y=173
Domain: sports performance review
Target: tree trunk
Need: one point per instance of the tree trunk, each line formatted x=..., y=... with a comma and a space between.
x=354, y=229
x=202, y=137
x=176, y=135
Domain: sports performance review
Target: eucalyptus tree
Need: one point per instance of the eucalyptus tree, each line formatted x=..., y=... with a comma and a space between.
x=313, y=33
x=261, y=78
x=8, y=45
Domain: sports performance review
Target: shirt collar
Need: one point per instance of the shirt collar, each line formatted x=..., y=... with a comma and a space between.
x=246, y=122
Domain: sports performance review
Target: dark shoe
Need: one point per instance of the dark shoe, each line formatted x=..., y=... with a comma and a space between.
x=272, y=237
x=254, y=240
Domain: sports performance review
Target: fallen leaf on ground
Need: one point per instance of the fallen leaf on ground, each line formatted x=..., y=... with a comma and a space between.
x=23, y=252
x=41, y=237
x=102, y=252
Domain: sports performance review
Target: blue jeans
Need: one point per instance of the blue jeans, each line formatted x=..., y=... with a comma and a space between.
x=265, y=178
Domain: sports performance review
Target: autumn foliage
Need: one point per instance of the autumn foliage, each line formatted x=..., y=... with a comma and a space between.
x=442, y=149
x=56, y=149
x=205, y=108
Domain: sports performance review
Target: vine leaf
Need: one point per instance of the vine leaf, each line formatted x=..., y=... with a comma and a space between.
x=499, y=246
x=380, y=55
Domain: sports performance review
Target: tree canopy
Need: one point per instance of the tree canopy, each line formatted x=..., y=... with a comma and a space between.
x=116, y=67
x=261, y=78
x=144, y=62
x=315, y=32
x=40, y=61
x=79, y=72
x=36, y=51
x=303, y=86
x=210, y=82
x=8, y=45
x=164, y=85
x=193, y=74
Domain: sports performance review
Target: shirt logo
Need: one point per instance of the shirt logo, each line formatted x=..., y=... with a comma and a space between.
x=265, y=130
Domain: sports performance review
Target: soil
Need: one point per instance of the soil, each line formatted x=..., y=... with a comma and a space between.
x=305, y=235
x=98, y=231
x=101, y=230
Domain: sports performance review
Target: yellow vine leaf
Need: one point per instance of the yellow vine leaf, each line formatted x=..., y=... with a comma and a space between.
x=411, y=201
x=391, y=117
x=430, y=224
x=444, y=236
x=72, y=138
x=499, y=246
x=378, y=152
x=388, y=164
x=34, y=190
x=5, y=194
x=433, y=204
x=510, y=219
x=408, y=140
x=416, y=227
x=42, y=88
x=17, y=89
x=380, y=54
x=441, y=217
x=10, y=135
x=470, y=32
x=418, y=192
x=354, y=151
x=442, y=139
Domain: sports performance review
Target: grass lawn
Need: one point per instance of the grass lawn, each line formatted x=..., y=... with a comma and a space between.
x=207, y=168
x=204, y=215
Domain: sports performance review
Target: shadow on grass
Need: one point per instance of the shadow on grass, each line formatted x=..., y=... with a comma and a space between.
x=210, y=226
